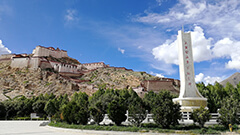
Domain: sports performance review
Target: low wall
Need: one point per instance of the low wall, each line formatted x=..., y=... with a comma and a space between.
x=20, y=62
x=158, y=85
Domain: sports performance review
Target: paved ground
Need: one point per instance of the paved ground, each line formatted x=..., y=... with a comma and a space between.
x=33, y=128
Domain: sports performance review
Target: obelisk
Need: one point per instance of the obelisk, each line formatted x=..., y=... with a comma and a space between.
x=189, y=97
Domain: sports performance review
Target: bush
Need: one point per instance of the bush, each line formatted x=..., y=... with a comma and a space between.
x=201, y=116
x=228, y=112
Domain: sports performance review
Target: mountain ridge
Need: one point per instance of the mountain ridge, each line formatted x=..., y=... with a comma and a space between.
x=234, y=79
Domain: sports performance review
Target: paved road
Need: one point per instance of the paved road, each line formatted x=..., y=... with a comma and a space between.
x=33, y=128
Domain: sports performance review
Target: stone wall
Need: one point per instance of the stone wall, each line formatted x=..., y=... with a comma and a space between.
x=158, y=85
x=20, y=62
x=34, y=62
x=62, y=67
x=6, y=56
x=45, y=65
x=50, y=51
x=91, y=66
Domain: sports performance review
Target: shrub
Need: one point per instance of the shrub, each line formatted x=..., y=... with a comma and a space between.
x=228, y=112
x=201, y=116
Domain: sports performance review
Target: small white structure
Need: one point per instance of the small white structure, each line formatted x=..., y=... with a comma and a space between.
x=106, y=120
x=34, y=116
x=189, y=97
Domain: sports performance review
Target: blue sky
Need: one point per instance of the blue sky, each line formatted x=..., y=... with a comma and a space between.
x=136, y=34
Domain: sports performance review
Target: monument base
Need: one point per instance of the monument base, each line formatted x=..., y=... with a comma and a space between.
x=190, y=103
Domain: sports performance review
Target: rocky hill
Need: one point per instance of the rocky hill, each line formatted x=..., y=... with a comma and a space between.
x=117, y=78
x=233, y=79
x=30, y=83
x=23, y=81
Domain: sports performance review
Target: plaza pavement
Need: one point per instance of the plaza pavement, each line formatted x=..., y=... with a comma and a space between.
x=33, y=128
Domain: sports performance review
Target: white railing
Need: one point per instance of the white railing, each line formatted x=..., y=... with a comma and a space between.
x=186, y=119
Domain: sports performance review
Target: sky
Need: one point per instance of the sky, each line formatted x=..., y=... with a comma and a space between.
x=136, y=34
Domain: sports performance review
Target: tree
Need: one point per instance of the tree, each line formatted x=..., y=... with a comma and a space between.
x=214, y=94
x=136, y=108
x=96, y=106
x=228, y=112
x=116, y=111
x=165, y=112
x=76, y=111
x=50, y=107
x=97, y=113
x=22, y=106
x=149, y=100
x=201, y=116
x=2, y=110
x=38, y=106
x=62, y=100
x=10, y=110
x=137, y=113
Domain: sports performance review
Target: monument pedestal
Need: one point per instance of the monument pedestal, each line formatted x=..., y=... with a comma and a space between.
x=190, y=103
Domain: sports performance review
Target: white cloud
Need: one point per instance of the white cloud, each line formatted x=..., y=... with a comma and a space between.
x=203, y=50
x=160, y=75
x=157, y=74
x=220, y=17
x=168, y=52
x=121, y=50
x=3, y=49
x=230, y=49
x=199, y=77
x=208, y=79
x=71, y=15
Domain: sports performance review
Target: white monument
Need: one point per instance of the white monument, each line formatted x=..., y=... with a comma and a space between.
x=189, y=97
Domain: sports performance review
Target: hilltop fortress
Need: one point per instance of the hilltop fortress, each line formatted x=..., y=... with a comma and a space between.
x=58, y=61
x=50, y=58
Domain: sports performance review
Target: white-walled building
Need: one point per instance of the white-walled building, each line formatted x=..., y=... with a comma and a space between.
x=38, y=59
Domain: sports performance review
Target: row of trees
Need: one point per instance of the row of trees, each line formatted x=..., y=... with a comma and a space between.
x=222, y=100
x=217, y=95
x=82, y=107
